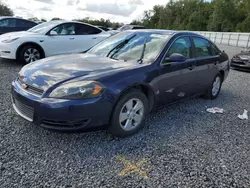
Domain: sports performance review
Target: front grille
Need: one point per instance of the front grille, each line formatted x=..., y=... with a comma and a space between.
x=239, y=62
x=75, y=123
x=30, y=88
x=23, y=110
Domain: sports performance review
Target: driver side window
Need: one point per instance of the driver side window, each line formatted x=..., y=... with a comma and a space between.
x=181, y=46
x=65, y=29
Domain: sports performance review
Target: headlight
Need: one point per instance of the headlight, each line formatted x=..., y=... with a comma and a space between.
x=10, y=40
x=78, y=90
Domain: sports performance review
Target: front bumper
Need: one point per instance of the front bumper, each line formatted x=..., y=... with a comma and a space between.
x=240, y=64
x=7, y=50
x=60, y=114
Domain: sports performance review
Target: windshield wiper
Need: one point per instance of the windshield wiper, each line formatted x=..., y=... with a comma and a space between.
x=143, y=51
x=119, y=46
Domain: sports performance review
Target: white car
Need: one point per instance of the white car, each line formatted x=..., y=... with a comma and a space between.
x=49, y=39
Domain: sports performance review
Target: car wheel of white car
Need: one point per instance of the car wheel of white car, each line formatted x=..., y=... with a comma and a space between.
x=29, y=53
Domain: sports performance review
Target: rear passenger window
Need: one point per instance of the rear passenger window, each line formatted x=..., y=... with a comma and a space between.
x=203, y=48
x=181, y=46
x=82, y=29
x=24, y=23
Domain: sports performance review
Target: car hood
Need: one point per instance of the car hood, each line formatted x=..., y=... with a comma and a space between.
x=243, y=55
x=17, y=34
x=50, y=71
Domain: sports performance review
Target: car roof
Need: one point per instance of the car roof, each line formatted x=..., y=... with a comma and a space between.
x=169, y=32
x=136, y=25
x=67, y=21
x=4, y=17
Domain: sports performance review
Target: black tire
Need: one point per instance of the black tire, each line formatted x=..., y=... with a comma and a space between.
x=22, y=51
x=115, y=128
x=209, y=94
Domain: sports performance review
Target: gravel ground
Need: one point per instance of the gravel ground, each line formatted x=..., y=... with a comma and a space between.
x=181, y=146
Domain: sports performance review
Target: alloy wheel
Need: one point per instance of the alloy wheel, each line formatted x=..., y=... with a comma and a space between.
x=31, y=54
x=216, y=86
x=131, y=114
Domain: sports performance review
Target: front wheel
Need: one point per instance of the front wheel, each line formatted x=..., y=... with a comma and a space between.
x=129, y=114
x=215, y=88
x=29, y=53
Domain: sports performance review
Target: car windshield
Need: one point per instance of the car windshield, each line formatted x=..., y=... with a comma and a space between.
x=125, y=27
x=131, y=46
x=43, y=27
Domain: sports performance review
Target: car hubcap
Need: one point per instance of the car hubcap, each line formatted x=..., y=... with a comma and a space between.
x=216, y=86
x=31, y=55
x=131, y=114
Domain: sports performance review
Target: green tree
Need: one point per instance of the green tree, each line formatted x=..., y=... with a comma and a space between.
x=136, y=22
x=243, y=7
x=214, y=15
x=222, y=18
x=101, y=22
x=5, y=10
x=56, y=19
x=35, y=19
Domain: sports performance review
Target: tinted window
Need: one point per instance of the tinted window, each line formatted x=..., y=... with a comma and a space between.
x=125, y=27
x=82, y=29
x=215, y=50
x=103, y=28
x=8, y=22
x=44, y=27
x=65, y=29
x=138, y=27
x=24, y=23
x=203, y=47
x=181, y=46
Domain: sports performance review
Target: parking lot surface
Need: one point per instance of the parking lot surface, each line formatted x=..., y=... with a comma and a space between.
x=181, y=145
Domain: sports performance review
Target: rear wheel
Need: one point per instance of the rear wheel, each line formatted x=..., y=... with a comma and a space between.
x=29, y=53
x=129, y=114
x=215, y=87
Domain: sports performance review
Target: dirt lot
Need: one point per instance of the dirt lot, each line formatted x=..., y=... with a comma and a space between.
x=181, y=146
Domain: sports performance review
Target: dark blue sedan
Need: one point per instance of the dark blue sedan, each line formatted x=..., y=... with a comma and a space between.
x=119, y=81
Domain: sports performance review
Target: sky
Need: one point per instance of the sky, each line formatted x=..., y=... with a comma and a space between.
x=123, y=11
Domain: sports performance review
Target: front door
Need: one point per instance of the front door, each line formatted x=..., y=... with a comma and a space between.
x=177, y=79
x=62, y=41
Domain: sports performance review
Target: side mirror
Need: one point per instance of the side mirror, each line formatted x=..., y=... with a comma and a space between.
x=52, y=33
x=175, y=57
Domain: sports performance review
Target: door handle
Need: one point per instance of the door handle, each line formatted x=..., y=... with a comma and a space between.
x=94, y=38
x=71, y=38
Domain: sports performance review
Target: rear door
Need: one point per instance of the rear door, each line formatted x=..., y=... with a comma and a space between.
x=8, y=25
x=207, y=59
x=87, y=36
x=177, y=79
x=23, y=25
